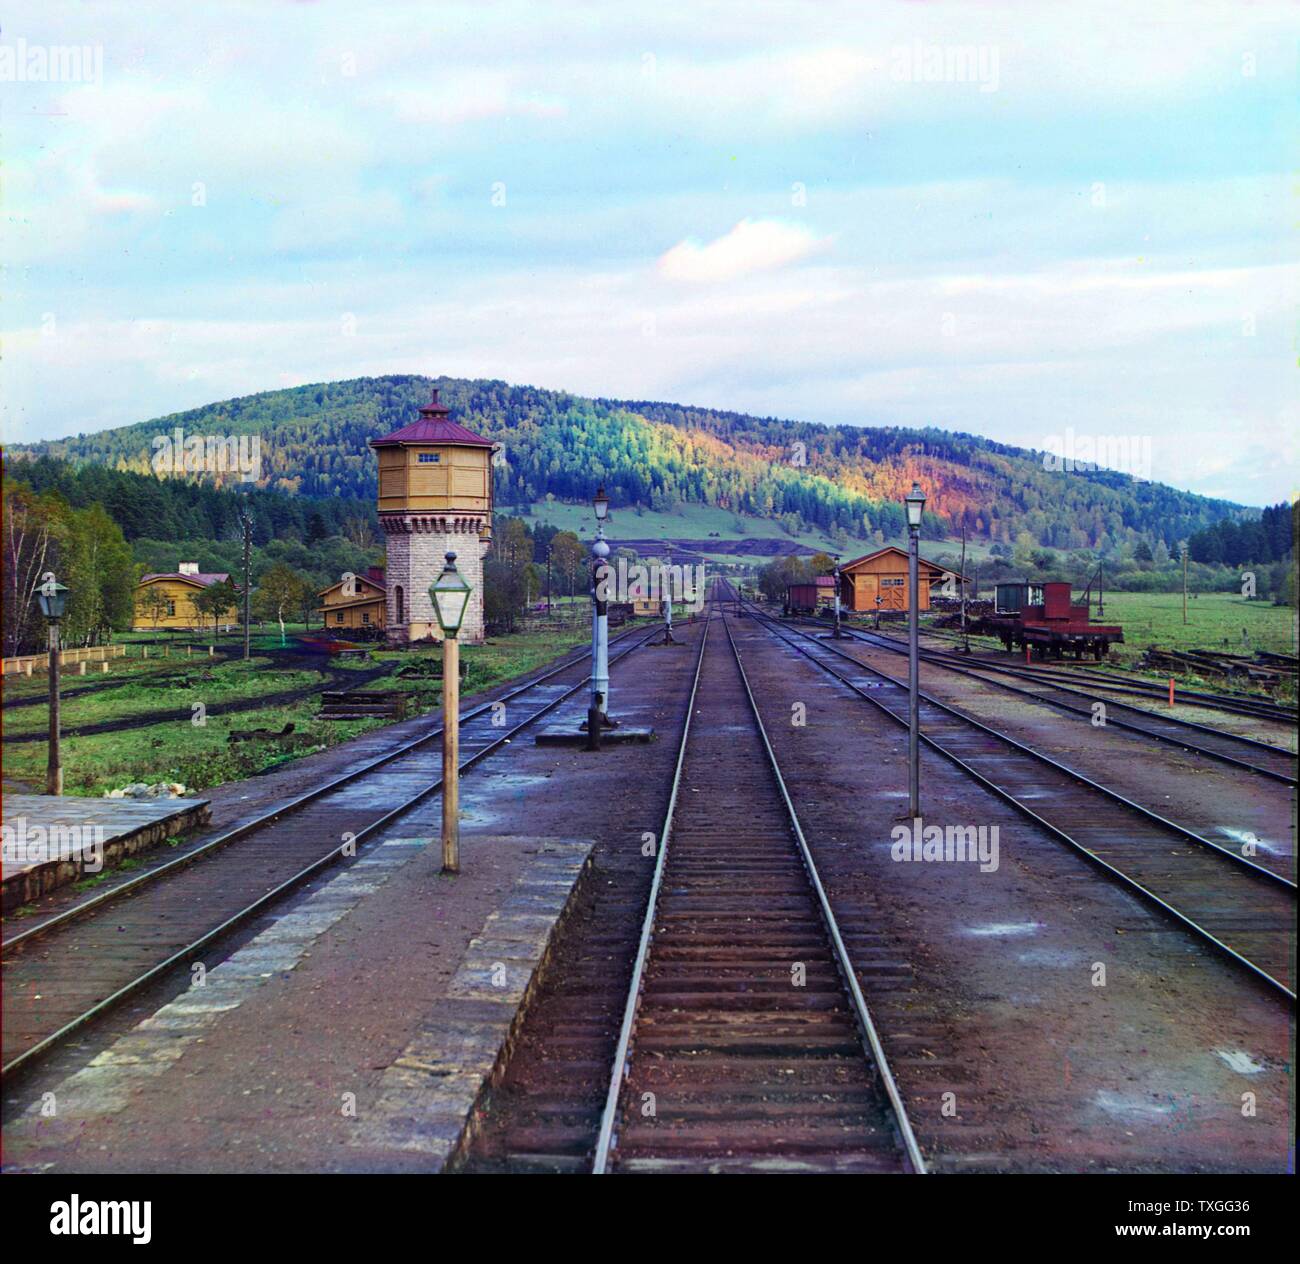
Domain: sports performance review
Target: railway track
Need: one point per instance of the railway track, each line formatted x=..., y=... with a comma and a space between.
x=776, y=1077
x=65, y=971
x=1229, y=748
x=746, y=1043
x=1114, y=680
x=1244, y=910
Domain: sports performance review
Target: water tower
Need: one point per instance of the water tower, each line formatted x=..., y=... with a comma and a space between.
x=435, y=497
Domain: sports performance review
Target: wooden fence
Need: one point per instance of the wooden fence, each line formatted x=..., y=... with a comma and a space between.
x=25, y=664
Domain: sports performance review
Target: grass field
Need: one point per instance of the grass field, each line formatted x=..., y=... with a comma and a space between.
x=199, y=756
x=1214, y=622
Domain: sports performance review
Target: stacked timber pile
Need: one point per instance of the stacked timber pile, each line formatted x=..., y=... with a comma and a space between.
x=1269, y=670
x=948, y=610
x=362, y=704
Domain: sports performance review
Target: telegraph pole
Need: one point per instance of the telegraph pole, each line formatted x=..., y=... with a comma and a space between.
x=964, y=639
x=247, y=523
x=915, y=502
x=1182, y=548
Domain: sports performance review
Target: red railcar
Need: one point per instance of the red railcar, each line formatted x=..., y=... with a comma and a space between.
x=811, y=597
x=1042, y=616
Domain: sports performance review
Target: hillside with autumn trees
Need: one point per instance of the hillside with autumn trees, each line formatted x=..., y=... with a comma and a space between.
x=95, y=508
x=839, y=480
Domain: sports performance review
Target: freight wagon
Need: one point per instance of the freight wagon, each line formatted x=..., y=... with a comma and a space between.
x=1042, y=617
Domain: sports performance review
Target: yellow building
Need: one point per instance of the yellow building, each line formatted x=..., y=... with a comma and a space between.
x=357, y=604
x=435, y=497
x=165, y=600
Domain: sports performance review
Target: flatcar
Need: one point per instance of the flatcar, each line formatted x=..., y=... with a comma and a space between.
x=1041, y=617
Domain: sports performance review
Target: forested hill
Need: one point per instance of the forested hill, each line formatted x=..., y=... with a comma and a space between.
x=841, y=479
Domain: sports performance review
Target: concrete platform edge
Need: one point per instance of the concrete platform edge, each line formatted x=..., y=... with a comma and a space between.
x=432, y=1096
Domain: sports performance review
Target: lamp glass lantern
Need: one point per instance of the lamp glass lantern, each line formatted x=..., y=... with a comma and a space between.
x=600, y=503
x=915, y=502
x=53, y=597
x=450, y=596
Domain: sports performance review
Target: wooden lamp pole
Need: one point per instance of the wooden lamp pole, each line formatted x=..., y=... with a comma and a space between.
x=450, y=596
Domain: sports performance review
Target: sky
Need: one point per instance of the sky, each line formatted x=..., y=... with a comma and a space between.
x=1046, y=224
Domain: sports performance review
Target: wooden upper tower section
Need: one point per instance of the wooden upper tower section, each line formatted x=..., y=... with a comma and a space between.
x=435, y=466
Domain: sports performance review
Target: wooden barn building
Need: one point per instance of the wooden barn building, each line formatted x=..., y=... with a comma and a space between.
x=357, y=606
x=884, y=574
x=164, y=600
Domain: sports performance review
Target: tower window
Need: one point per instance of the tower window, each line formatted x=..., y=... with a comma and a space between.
x=428, y=458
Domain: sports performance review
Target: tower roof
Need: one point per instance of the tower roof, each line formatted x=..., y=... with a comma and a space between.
x=434, y=426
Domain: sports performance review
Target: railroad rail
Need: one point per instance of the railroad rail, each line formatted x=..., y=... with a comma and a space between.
x=1114, y=680
x=1228, y=748
x=160, y=919
x=1243, y=910
x=746, y=1042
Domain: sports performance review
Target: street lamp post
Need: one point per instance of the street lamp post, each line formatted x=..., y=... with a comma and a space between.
x=53, y=597
x=598, y=708
x=450, y=596
x=915, y=503
x=835, y=571
x=666, y=597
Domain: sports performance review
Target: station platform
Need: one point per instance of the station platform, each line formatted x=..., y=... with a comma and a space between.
x=361, y=1024
x=48, y=841
x=397, y=1004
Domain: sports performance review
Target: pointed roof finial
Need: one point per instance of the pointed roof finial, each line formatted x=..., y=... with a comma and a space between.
x=433, y=408
x=434, y=426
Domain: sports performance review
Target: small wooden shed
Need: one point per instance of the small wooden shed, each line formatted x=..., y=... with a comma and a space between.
x=883, y=574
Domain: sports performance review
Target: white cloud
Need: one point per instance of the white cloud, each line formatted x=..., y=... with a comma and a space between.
x=346, y=155
x=751, y=246
x=470, y=98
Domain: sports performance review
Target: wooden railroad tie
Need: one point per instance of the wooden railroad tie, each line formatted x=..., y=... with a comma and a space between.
x=362, y=704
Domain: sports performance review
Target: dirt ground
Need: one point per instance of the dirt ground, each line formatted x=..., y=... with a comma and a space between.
x=1001, y=1008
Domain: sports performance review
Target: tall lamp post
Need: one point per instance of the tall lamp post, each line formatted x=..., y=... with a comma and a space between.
x=666, y=595
x=835, y=571
x=450, y=596
x=915, y=503
x=598, y=708
x=53, y=597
